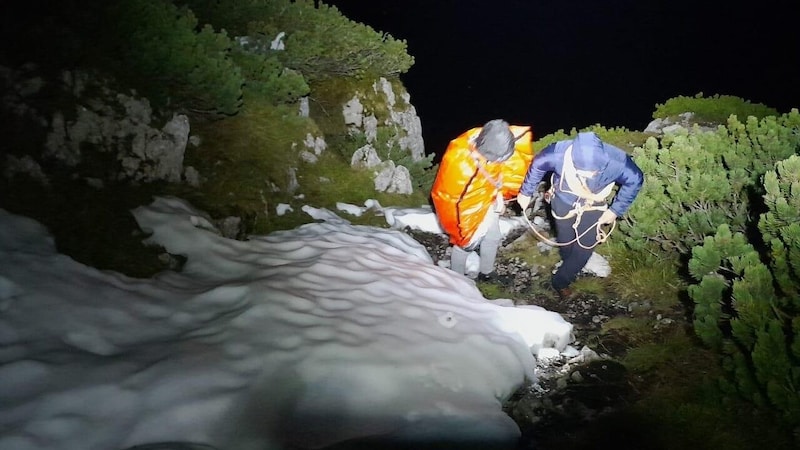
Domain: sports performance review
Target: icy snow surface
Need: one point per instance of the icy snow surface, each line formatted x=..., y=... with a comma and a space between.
x=306, y=337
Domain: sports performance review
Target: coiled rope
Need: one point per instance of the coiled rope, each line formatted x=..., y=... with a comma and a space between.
x=601, y=235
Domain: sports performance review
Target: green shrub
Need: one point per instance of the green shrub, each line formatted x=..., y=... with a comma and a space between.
x=232, y=15
x=685, y=196
x=780, y=225
x=747, y=305
x=756, y=145
x=266, y=78
x=715, y=109
x=422, y=172
x=696, y=181
x=320, y=42
x=161, y=51
x=618, y=136
x=325, y=44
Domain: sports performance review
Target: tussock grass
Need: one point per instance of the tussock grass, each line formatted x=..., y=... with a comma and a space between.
x=640, y=276
x=633, y=331
x=591, y=285
x=652, y=350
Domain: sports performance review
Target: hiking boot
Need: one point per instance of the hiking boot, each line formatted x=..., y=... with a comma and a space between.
x=490, y=277
x=565, y=293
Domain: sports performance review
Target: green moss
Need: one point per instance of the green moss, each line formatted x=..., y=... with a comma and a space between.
x=327, y=98
x=245, y=162
x=493, y=291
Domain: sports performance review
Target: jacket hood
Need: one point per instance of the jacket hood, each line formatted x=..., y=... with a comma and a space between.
x=495, y=141
x=589, y=152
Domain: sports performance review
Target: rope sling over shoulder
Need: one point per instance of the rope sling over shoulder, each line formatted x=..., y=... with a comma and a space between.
x=496, y=182
x=587, y=200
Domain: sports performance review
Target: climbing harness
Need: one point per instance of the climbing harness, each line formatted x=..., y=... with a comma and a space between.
x=600, y=237
x=587, y=200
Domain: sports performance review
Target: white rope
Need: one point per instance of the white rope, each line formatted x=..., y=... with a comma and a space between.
x=600, y=234
x=577, y=188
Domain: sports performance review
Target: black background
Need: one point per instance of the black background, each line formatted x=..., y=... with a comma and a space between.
x=558, y=64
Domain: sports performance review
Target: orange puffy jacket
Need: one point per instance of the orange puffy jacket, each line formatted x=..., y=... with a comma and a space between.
x=463, y=194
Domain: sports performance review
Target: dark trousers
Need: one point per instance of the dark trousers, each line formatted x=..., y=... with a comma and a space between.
x=573, y=256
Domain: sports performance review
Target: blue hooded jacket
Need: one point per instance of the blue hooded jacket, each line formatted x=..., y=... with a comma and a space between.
x=612, y=164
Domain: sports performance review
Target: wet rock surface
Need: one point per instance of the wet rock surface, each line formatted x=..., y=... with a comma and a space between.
x=573, y=390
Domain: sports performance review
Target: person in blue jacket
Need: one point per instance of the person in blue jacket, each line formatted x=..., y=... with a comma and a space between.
x=584, y=171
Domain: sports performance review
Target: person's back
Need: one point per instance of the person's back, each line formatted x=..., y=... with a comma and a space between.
x=479, y=170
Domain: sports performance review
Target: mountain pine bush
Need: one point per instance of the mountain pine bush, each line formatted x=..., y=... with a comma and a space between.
x=163, y=51
x=714, y=109
x=747, y=304
x=696, y=181
x=319, y=41
x=209, y=56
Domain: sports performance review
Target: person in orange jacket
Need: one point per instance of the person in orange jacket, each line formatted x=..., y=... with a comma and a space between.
x=479, y=171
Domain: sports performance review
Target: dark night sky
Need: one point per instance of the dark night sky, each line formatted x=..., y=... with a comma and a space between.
x=558, y=64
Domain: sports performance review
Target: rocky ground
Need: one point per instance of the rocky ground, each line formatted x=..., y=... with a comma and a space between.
x=575, y=390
